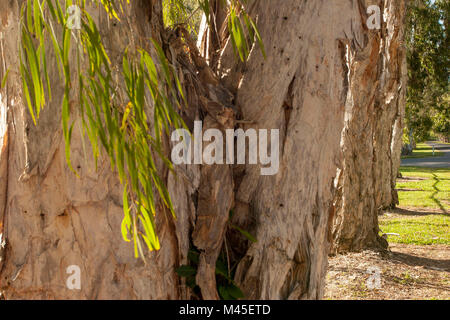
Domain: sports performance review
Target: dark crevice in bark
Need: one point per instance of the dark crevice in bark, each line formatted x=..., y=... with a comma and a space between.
x=215, y=194
x=288, y=105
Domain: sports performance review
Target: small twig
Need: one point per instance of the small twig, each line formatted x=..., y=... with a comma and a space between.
x=228, y=257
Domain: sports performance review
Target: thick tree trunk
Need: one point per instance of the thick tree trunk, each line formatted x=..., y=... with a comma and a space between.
x=51, y=219
x=301, y=88
x=372, y=134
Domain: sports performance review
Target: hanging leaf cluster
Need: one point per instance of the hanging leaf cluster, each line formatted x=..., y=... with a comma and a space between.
x=128, y=128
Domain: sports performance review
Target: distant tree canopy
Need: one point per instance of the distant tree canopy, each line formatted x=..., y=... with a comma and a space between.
x=427, y=40
x=187, y=12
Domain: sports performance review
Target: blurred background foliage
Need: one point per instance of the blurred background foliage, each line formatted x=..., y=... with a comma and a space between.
x=427, y=110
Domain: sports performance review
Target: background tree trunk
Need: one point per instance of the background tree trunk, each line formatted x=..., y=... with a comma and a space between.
x=316, y=53
x=372, y=134
x=392, y=97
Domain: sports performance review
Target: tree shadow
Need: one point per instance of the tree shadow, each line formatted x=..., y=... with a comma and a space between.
x=406, y=179
x=416, y=261
x=436, y=191
x=420, y=283
x=410, y=212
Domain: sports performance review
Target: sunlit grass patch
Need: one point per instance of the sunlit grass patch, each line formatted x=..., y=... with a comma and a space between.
x=424, y=230
x=423, y=150
x=424, y=188
x=427, y=188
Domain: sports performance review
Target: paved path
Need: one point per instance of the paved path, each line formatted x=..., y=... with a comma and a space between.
x=432, y=162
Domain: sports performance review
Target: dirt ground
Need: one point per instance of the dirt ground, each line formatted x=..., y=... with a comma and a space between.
x=406, y=272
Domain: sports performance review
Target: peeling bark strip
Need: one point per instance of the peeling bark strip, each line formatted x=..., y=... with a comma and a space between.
x=317, y=51
x=4, y=153
x=215, y=199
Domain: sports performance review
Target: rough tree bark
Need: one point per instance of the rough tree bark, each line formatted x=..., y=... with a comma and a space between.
x=371, y=139
x=52, y=219
x=391, y=114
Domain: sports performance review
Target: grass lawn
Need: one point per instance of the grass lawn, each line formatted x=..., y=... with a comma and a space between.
x=424, y=188
x=425, y=192
x=416, y=266
x=423, y=151
x=418, y=230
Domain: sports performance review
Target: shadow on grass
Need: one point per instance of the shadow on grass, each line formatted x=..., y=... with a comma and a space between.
x=410, y=212
x=413, y=169
x=436, y=191
x=415, y=261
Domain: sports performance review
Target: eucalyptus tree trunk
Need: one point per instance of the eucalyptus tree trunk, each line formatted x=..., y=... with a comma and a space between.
x=371, y=139
x=391, y=115
x=51, y=220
